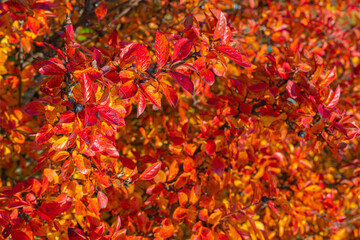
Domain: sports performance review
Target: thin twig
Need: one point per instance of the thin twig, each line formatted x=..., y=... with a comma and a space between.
x=240, y=210
x=341, y=225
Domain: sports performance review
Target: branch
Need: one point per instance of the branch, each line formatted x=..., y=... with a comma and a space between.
x=341, y=225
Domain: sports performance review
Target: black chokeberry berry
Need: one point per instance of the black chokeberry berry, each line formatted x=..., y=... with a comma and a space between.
x=301, y=133
x=101, y=33
x=265, y=199
x=78, y=107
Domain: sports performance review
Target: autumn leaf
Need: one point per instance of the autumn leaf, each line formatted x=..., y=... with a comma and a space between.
x=151, y=171
x=141, y=104
x=335, y=98
x=162, y=49
x=102, y=199
x=76, y=234
x=184, y=81
x=34, y=108
x=143, y=59
x=127, y=90
x=109, y=115
x=220, y=26
x=182, y=49
x=51, y=68
x=234, y=55
x=44, y=134
x=87, y=87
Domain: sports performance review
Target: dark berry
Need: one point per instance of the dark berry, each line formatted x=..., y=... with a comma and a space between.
x=301, y=133
x=101, y=33
x=265, y=199
x=78, y=107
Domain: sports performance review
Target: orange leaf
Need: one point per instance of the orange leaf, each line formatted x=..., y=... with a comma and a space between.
x=141, y=104
x=162, y=49
x=127, y=90
x=220, y=27
x=143, y=59
x=44, y=134
x=329, y=78
x=173, y=170
x=82, y=163
x=60, y=156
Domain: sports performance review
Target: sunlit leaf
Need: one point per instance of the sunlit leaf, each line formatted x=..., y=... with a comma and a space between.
x=151, y=171
x=162, y=49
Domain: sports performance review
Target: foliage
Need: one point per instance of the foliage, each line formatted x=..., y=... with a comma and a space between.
x=187, y=120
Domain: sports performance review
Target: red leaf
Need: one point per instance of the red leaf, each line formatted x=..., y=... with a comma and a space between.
x=208, y=76
x=218, y=166
x=226, y=38
x=49, y=210
x=151, y=171
x=257, y=87
x=234, y=55
x=153, y=94
x=70, y=30
x=293, y=90
x=273, y=207
x=33, y=24
x=61, y=54
x=143, y=59
x=76, y=234
x=127, y=162
x=141, y=104
x=34, y=108
x=109, y=114
x=101, y=10
x=102, y=199
x=44, y=134
x=161, y=49
x=324, y=112
x=87, y=87
x=91, y=116
x=329, y=78
x=184, y=81
x=118, y=224
x=127, y=90
x=128, y=54
x=170, y=94
x=19, y=235
x=182, y=49
x=335, y=98
x=220, y=27
x=51, y=68
x=67, y=169
x=67, y=117
x=304, y=67
x=18, y=204
x=210, y=147
x=113, y=39
x=99, y=143
x=188, y=22
x=97, y=56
